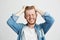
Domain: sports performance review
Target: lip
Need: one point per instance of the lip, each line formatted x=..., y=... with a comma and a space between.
x=31, y=20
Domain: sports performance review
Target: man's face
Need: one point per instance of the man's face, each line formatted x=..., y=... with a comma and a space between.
x=31, y=16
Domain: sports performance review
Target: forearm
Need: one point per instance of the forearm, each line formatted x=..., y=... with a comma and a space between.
x=12, y=21
x=48, y=22
x=19, y=12
x=46, y=16
x=40, y=12
x=14, y=17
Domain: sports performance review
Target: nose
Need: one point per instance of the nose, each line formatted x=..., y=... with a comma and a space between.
x=31, y=16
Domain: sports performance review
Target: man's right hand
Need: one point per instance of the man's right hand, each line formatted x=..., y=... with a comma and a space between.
x=20, y=11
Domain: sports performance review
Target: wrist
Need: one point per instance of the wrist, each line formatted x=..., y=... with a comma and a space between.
x=40, y=12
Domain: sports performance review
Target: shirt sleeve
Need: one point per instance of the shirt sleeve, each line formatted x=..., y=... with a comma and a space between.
x=12, y=23
x=48, y=22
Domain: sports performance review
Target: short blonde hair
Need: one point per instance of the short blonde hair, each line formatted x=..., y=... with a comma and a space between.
x=29, y=8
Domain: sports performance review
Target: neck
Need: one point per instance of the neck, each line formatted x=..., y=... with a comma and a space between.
x=31, y=26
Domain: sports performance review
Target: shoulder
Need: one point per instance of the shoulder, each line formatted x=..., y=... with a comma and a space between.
x=38, y=26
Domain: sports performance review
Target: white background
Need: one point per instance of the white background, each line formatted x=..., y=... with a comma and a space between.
x=8, y=7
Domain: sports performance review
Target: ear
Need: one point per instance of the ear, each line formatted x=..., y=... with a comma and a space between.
x=36, y=13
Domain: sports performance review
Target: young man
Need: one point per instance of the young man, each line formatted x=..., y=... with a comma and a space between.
x=31, y=30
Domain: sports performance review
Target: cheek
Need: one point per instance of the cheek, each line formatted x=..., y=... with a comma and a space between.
x=35, y=16
x=26, y=17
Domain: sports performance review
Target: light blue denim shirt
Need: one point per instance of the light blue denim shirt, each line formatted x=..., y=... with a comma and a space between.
x=41, y=29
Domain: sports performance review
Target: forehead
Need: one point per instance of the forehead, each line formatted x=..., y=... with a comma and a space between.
x=31, y=11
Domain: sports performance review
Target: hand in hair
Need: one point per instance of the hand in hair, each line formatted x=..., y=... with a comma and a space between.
x=39, y=11
x=20, y=11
